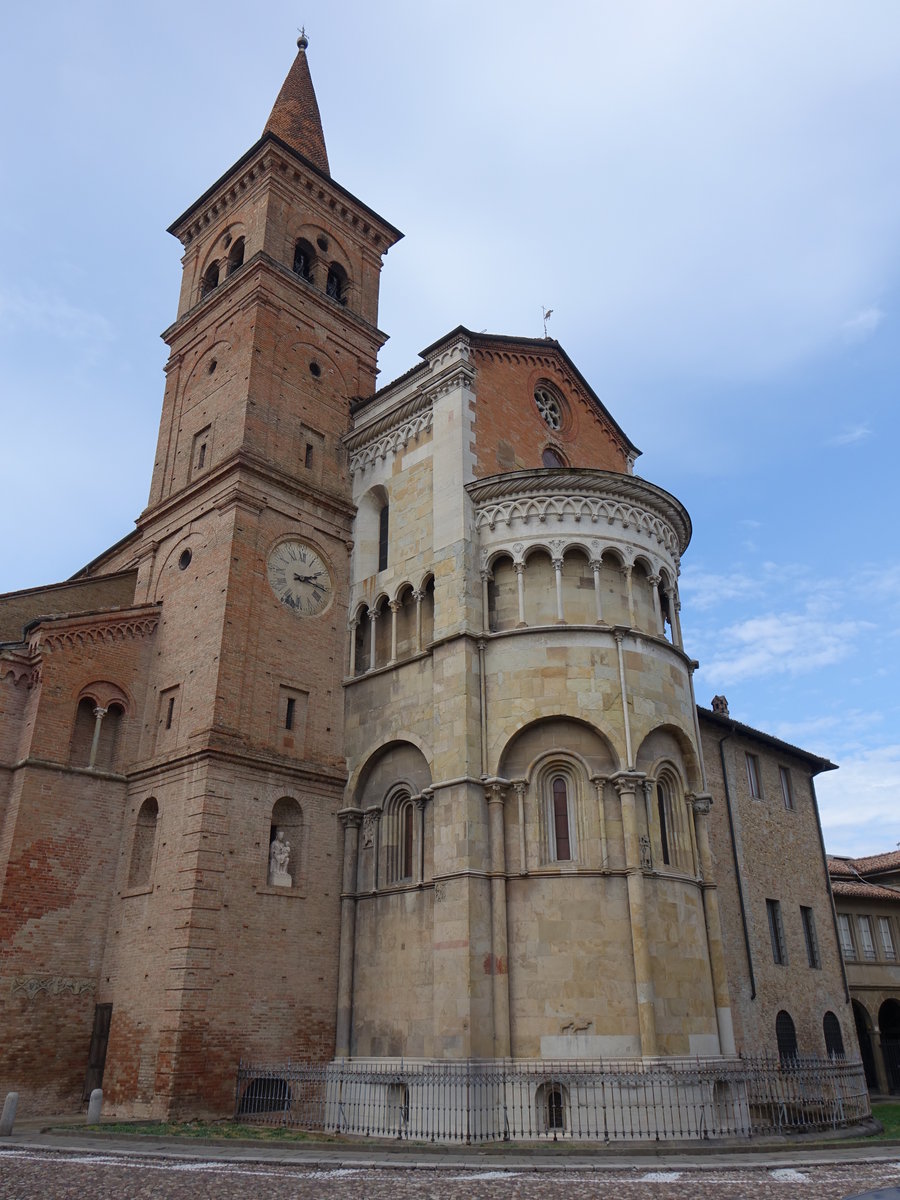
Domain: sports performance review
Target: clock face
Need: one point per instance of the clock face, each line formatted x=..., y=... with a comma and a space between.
x=299, y=578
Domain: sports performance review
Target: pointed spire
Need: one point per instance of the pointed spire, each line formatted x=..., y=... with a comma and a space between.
x=295, y=116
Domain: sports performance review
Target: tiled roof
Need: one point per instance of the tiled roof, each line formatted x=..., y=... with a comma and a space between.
x=860, y=890
x=875, y=863
x=295, y=117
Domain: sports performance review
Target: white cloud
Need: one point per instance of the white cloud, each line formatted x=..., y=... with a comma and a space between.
x=858, y=803
x=850, y=436
x=49, y=313
x=780, y=644
x=706, y=589
x=864, y=324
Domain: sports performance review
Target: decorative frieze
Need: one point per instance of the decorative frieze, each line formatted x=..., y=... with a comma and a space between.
x=52, y=985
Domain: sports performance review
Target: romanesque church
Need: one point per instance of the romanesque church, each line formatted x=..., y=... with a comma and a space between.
x=376, y=739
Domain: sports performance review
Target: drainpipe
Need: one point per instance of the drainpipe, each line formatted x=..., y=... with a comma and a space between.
x=737, y=865
x=837, y=936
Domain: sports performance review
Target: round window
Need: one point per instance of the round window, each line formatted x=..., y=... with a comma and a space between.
x=550, y=407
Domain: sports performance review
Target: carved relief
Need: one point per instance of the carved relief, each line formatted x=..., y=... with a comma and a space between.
x=57, y=985
x=369, y=828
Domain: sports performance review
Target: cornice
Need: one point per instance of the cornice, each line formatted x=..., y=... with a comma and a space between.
x=266, y=156
x=22, y=666
x=578, y=493
x=391, y=432
x=54, y=633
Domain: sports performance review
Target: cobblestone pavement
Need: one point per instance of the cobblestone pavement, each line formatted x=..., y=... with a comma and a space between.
x=29, y=1174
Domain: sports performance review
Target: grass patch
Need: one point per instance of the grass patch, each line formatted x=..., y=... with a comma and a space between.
x=889, y=1116
x=216, y=1130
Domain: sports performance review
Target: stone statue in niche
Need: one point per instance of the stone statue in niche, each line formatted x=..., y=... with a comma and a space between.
x=279, y=857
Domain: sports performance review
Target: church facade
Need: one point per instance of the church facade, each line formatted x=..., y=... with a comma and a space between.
x=377, y=740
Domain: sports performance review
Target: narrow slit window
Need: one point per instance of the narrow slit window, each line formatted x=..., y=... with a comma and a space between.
x=787, y=790
x=776, y=933
x=663, y=824
x=383, y=527
x=753, y=780
x=308, y=458
x=809, y=936
x=170, y=712
x=561, y=820
x=289, y=713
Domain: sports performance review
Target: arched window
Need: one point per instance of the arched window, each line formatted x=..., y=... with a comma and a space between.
x=142, y=846
x=83, y=733
x=786, y=1038
x=400, y=837
x=834, y=1041
x=336, y=284
x=304, y=257
x=562, y=841
x=285, y=843
x=552, y=458
x=383, y=531
x=236, y=255
x=663, y=806
x=551, y=1100
x=210, y=279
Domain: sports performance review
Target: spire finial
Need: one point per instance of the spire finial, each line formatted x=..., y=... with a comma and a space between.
x=302, y=40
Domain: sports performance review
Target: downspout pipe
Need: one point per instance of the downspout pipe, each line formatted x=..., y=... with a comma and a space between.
x=737, y=865
x=837, y=936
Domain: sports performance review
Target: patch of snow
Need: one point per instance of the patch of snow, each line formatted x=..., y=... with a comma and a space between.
x=789, y=1175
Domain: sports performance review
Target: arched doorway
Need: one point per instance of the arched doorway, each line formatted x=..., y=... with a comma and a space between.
x=863, y=1034
x=889, y=1024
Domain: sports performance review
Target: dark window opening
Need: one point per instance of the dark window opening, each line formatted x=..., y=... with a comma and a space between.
x=303, y=260
x=809, y=935
x=406, y=849
x=184, y=560
x=315, y=370
x=308, y=458
x=551, y=458
x=170, y=711
x=663, y=825
x=383, y=522
x=336, y=284
x=786, y=1037
x=561, y=820
x=210, y=280
x=236, y=256
x=289, y=713
x=776, y=932
x=753, y=780
x=555, y=1112
x=834, y=1041
x=201, y=455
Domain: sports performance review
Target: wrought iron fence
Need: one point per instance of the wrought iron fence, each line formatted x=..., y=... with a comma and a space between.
x=621, y=1101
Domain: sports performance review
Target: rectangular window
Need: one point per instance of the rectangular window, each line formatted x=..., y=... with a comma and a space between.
x=865, y=937
x=308, y=459
x=809, y=935
x=200, y=451
x=383, y=524
x=170, y=712
x=787, y=790
x=847, y=947
x=292, y=709
x=776, y=931
x=753, y=778
x=887, y=938
x=167, y=716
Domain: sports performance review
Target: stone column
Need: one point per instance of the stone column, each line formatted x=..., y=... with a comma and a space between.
x=626, y=721
x=395, y=607
x=653, y=830
x=519, y=785
x=520, y=584
x=494, y=794
x=99, y=714
x=354, y=625
x=351, y=819
x=701, y=806
x=373, y=621
x=629, y=592
x=557, y=570
x=419, y=597
x=485, y=601
x=598, y=600
x=598, y=781
x=677, y=617
x=420, y=817
x=653, y=580
x=626, y=786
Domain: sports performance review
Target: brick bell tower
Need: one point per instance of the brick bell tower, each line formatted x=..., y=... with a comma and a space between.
x=217, y=950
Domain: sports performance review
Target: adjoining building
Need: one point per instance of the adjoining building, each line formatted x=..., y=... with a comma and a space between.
x=867, y=900
x=376, y=741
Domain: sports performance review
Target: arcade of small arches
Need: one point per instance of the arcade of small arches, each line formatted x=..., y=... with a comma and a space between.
x=392, y=629
x=567, y=584
x=879, y=1043
x=312, y=263
x=97, y=731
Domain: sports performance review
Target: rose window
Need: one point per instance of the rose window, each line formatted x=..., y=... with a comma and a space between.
x=549, y=407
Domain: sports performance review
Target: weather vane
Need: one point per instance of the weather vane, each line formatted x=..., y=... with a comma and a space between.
x=547, y=314
x=302, y=40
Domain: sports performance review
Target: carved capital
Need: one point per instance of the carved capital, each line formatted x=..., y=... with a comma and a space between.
x=702, y=803
x=350, y=818
x=627, y=782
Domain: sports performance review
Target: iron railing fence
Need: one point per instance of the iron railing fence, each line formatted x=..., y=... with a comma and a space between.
x=620, y=1101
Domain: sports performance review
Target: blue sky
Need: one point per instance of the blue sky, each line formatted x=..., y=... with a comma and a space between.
x=706, y=194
